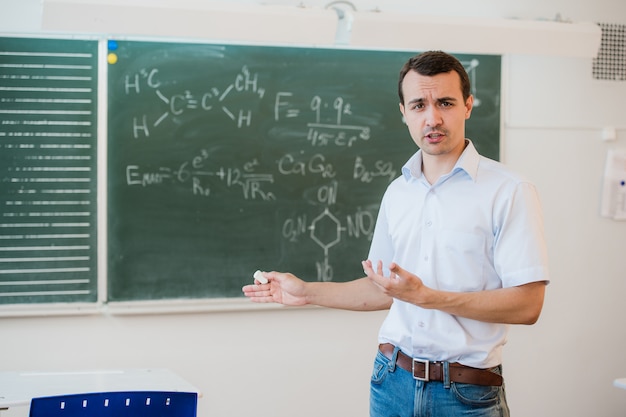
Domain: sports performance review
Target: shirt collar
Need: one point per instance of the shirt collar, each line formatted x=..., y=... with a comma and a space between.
x=468, y=162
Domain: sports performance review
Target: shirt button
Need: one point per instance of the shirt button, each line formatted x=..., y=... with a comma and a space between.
x=429, y=223
x=421, y=324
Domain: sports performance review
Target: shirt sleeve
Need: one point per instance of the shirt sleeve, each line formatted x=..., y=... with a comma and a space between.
x=520, y=252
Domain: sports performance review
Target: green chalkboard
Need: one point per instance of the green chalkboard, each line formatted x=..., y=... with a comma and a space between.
x=48, y=146
x=225, y=159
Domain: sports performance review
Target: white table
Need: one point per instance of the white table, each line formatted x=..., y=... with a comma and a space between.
x=18, y=388
x=620, y=383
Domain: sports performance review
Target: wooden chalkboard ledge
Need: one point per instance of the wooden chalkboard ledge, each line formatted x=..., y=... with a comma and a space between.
x=187, y=306
x=49, y=309
x=127, y=308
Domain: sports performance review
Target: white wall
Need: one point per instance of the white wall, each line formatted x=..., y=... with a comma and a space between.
x=580, y=323
x=316, y=362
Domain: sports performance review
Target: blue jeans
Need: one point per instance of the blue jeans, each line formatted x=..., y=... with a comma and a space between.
x=395, y=393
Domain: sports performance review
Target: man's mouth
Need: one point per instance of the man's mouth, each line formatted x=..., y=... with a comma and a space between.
x=434, y=136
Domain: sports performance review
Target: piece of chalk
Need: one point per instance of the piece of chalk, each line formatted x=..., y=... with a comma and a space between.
x=258, y=275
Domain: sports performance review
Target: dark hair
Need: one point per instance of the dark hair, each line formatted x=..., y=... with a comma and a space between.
x=432, y=63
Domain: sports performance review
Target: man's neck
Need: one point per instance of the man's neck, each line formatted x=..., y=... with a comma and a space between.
x=433, y=170
x=436, y=166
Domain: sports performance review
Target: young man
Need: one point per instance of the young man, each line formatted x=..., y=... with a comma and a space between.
x=457, y=255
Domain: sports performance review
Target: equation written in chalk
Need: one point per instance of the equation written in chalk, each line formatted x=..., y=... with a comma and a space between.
x=198, y=173
x=325, y=128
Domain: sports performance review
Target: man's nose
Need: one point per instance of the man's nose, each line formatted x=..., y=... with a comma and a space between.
x=433, y=116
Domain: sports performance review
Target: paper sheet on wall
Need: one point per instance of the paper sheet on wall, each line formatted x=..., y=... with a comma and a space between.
x=614, y=188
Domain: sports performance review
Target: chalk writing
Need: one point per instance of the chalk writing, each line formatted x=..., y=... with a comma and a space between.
x=193, y=173
x=324, y=126
x=316, y=164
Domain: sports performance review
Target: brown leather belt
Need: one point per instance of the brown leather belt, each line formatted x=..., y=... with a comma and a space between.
x=433, y=371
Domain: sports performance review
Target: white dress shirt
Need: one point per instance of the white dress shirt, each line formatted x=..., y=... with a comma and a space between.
x=480, y=227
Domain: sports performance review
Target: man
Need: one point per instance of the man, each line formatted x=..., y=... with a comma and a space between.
x=458, y=253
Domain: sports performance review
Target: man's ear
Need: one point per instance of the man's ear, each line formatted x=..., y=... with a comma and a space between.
x=469, y=105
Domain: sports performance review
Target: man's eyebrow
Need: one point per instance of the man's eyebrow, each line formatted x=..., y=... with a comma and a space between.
x=420, y=100
x=416, y=101
x=442, y=99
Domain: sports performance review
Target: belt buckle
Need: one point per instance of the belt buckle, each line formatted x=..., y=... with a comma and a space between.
x=426, y=363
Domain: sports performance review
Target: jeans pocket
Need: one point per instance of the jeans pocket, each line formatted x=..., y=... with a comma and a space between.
x=476, y=395
x=381, y=364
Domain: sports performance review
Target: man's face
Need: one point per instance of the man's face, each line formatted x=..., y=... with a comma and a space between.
x=435, y=112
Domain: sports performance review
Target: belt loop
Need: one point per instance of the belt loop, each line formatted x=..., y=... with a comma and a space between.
x=394, y=359
x=446, y=374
